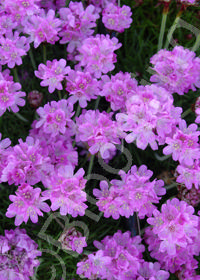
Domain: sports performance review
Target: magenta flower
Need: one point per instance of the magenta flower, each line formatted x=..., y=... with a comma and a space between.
x=52, y=74
x=26, y=203
x=77, y=24
x=12, y=48
x=82, y=87
x=133, y=193
x=99, y=131
x=117, y=18
x=66, y=191
x=97, y=54
x=55, y=117
x=43, y=28
x=10, y=96
x=176, y=70
x=18, y=255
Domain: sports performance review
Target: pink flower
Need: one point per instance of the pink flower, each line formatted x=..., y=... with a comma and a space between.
x=52, y=74
x=43, y=28
x=26, y=203
x=97, y=54
x=117, y=18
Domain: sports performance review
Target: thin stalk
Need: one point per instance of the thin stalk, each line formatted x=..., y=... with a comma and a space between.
x=138, y=223
x=118, y=3
x=197, y=43
x=44, y=54
x=97, y=102
x=163, y=25
x=77, y=112
x=90, y=166
x=32, y=59
x=172, y=29
x=16, y=77
x=20, y=117
x=59, y=95
x=187, y=112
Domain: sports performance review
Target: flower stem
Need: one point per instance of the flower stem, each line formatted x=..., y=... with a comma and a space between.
x=172, y=29
x=90, y=166
x=163, y=25
x=187, y=112
x=16, y=77
x=97, y=102
x=32, y=59
x=197, y=43
x=59, y=95
x=20, y=117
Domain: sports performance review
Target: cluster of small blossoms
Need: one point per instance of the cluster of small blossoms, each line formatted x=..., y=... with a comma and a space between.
x=55, y=118
x=134, y=193
x=58, y=148
x=10, y=96
x=173, y=238
x=43, y=28
x=149, y=117
x=27, y=203
x=118, y=89
x=176, y=70
x=19, y=10
x=117, y=18
x=12, y=48
x=65, y=191
x=52, y=74
x=188, y=2
x=77, y=24
x=72, y=239
x=4, y=152
x=96, y=54
x=82, y=87
x=118, y=257
x=99, y=131
x=26, y=162
x=18, y=253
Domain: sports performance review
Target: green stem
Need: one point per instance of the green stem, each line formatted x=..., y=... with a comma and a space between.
x=90, y=166
x=187, y=112
x=172, y=29
x=32, y=59
x=97, y=102
x=59, y=95
x=16, y=77
x=44, y=54
x=20, y=117
x=162, y=27
x=197, y=43
x=77, y=112
x=118, y=3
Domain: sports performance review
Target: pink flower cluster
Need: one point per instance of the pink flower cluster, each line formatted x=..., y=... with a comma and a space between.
x=54, y=5
x=97, y=54
x=197, y=110
x=82, y=87
x=12, y=48
x=118, y=89
x=99, y=131
x=52, y=74
x=72, y=239
x=65, y=191
x=77, y=24
x=133, y=193
x=101, y=4
x=55, y=118
x=26, y=162
x=117, y=18
x=174, y=237
x=43, y=27
x=176, y=70
x=18, y=253
x=149, y=116
x=119, y=257
x=27, y=203
x=10, y=96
